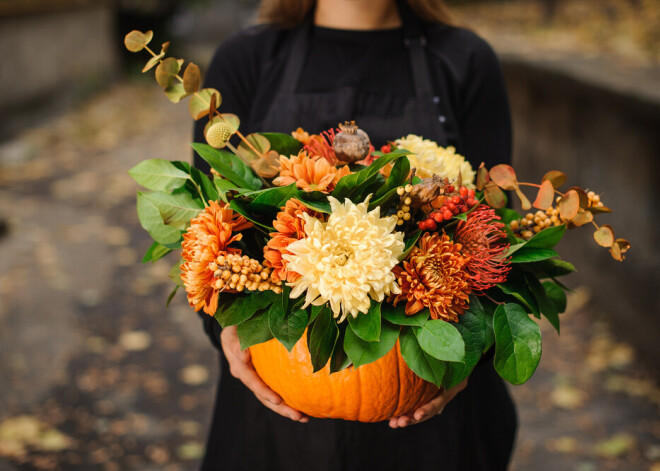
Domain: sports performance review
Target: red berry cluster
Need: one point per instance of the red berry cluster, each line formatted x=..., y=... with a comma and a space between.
x=451, y=206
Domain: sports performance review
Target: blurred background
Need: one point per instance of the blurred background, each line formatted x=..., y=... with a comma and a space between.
x=95, y=372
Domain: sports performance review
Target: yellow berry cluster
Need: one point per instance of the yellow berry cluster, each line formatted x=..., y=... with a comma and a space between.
x=403, y=209
x=236, y=272
x=533, y=223
x=594, y=200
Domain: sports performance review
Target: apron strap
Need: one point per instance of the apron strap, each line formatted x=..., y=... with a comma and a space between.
x=296, y=61
x=415, y=41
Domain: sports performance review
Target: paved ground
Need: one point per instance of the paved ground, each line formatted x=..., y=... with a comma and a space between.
x=98, y=375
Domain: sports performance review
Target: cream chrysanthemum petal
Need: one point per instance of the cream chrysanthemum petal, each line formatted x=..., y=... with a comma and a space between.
x=346, y=261
x=429, y=158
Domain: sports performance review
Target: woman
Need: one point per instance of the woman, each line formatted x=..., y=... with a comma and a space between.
x=395, y=68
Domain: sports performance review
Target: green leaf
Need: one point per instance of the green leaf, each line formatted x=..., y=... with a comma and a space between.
x=361, y=352
x=287, y=328
x=397, y=177
x=271, y=200
x=547, y=308
x=420, y=362
x=517, y=287
x=175, y=274
x=171, y=296
x=242, y=307
x=472, y=327
x=322, y=339
x=315, y=200
x=229, y=166
x=517, y=343
x=489, y=310
x=158, y=175
x=397, y=315
x=526, y=255
x=508, y=214
x=175, y=92
x=241, y=208
x=552, y=268
x=155, y=252
x=315, y=311
x=152, y=222
x=339, y=360
x=410, y=244
x=254, y=331
x=284, y=144
x=176, y=210
x=354, y=183
x=208, y=189
x=441, y=340
x=367, y=326
x=547, y=238
x=555, y=295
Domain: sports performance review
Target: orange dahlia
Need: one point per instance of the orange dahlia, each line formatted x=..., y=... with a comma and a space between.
x=309, y=173
x=290, y=227
x=434, y=276
x=484, y=241
x=205, y=240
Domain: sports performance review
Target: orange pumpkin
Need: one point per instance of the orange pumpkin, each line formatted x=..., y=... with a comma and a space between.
x=373, y=392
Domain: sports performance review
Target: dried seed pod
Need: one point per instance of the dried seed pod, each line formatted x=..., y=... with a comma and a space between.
x=427, y=191
x=351, y=143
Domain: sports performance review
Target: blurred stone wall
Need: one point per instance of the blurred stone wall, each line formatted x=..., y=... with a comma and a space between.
x=51, y=52
x=603, y=129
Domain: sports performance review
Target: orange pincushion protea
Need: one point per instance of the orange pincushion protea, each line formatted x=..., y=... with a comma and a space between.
x=481, y=237
x=309, y=173
x=290, y=228
x=207, y=238
x=321, y=145
x=434, y=276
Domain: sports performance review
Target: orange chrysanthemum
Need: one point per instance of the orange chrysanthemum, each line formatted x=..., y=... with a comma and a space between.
x=434, y=276
x=482, y=237
x=290, y=227
x=309, y=173
x=207, y=237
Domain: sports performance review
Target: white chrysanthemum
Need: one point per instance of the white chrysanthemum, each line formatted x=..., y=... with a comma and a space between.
x=348, y=260
x=429, y=158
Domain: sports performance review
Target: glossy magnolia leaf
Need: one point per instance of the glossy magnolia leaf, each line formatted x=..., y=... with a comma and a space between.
x=361, y=352
x=397, y=315
x=192, y=78
x=271, y=200
x=152, y=222
x=441, y=340
x=583, y=217
x=254, y=330
x=135, y=41
x=155, y=252
x=545, y=196
x=167, y=71
x=547, y=238
x=242, y=307
x=287, y=328
x=268, y=165
x=420, y=362
x=532, y=254
x=504, y=176
x=176, y=209
x=284, y=144
x=517, y=343
x=569, y=205
x=354, y=183
x=255, y=147
x=524, y=202
x=339, y=360
x=604, y=236
x=201, y=101
x=322, y=339
x=410, y=244
x=555, y=177
x=175, y=92
x=367, y=326
x=494, y=195
x=546, y=306
x=482, y=177
x=556, y=295
x=158, y=175
x=619, y=248
x=229, y=166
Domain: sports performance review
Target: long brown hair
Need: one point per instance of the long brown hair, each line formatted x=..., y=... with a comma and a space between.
x=287, y=13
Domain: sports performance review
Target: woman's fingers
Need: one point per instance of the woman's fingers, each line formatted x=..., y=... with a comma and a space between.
x=434, y=407
x=240, y=366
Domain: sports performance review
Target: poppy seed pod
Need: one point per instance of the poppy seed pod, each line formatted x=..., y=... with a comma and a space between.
x=351, y=143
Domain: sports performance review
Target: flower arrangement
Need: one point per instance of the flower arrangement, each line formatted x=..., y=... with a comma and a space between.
x=322, y=246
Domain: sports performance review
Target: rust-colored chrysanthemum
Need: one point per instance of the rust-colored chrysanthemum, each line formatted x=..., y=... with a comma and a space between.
x=309, y=173
x=434, y=276
x=290, y=227
x=206, y=239
x=484, y=241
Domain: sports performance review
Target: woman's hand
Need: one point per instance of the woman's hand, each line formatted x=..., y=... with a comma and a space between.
x=434, y=407
x=240, y=367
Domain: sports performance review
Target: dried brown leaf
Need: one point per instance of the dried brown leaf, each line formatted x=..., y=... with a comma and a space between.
x=555, y=177
x=257, y=143
x=584, y=199
x=167, y=71
x=619, y=248
x=569, y=205
x=268, y=166
x=604, y=236
x=583, y=217
x=482, y=177
x=151, y=63
x=524, y=202
x=545, y=196
x=504, y=176
x=192, y=78
x=494, y=195
x=199, y=103
x=175, y=92
x=135, y=41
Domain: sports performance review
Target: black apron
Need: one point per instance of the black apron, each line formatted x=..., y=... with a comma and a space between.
x=476, y=430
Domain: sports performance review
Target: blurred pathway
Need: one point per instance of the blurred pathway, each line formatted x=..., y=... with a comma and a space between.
x=98, y=375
